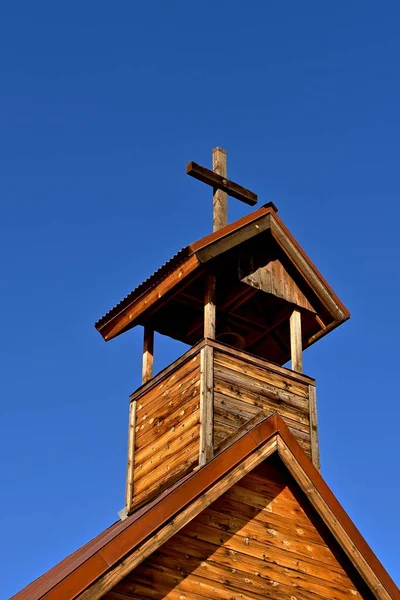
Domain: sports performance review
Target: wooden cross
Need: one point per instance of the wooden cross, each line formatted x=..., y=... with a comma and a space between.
x=221, y=185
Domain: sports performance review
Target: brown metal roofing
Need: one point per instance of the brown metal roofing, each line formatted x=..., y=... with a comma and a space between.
x=171, y=264
x=190, y=258
x=77, y=572
x=179, y=257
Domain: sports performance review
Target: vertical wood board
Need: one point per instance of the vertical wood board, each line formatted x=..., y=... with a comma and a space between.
x=206, y=448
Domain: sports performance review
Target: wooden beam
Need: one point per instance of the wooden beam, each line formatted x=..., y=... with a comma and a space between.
x=209, y=307
x=257, y=336
x=206, y=450
x=296, y=347
x=131, y=455
x=217, y=181
x=220, y=199
x=148, y=351
x=239, y=297
x=312, y=399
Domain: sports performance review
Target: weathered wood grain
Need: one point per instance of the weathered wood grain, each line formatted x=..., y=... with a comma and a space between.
x=248, y=358
x=209, y=307
x=148, y=354
x=219, y=181
x=206, y=445
x=242, y=389
x=103, y=585
x=296, y=345
x=258, y=540
x=261, y=372
x=314, y=428
x=220, y=199
x=331, y=522
x=161, y=390
x=131, y=455
x=166, y=432
x=274, y=279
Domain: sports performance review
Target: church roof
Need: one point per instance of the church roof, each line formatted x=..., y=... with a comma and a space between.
x=171, y=299
x=94, y=569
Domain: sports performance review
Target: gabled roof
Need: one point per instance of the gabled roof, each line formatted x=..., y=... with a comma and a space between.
x=177, y=285
x=99, y=565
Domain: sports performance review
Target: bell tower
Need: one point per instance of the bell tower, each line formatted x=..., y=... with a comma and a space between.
x=247, y=300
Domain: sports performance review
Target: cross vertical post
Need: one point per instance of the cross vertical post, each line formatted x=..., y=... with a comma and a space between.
x=220, y=204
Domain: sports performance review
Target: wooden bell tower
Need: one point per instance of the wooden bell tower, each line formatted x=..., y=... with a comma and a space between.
x=224, y=497
x=248, y=300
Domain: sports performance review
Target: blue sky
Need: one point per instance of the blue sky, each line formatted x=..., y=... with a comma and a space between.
x=101, y=106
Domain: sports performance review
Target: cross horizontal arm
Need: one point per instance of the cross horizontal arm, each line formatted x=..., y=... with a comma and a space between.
x=216, y=181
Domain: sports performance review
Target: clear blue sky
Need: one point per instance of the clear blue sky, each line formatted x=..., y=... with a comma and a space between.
x=102, y=104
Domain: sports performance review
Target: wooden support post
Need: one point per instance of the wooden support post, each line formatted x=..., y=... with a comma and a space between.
x=148, y=349
x=296, y=342
x=206, y=404
x=312, y=401
x=131, y=455
x=220, y=203
x=209, y=307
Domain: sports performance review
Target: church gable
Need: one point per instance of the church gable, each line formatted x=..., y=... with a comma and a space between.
x=261, y=539
x=269, y=275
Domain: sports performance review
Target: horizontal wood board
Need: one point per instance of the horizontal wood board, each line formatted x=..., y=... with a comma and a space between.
x=258, y=540
x=166, y=440
x=243, y=388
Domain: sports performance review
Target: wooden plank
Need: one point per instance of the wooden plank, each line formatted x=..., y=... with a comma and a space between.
x=160, y=475
x=206, y=447
x=296, y=347
x=217, y=181
x=164, y=373
x=157, y=431
x=240, y=431
x=159, y=401
x=209, y=307
x=131, y=456
x=266, y=382
x=156, y=484
x=216, y=524
x=210, y=580
x=169, y=389
x=148, y=354
x=239, y=571
x=314, y=428
x=247, y=357
x=285, y=565
x=220, y=200
x=274, y=279
x=262, y=373
x=169, y=446
x=227, y=393
x=231, y=238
